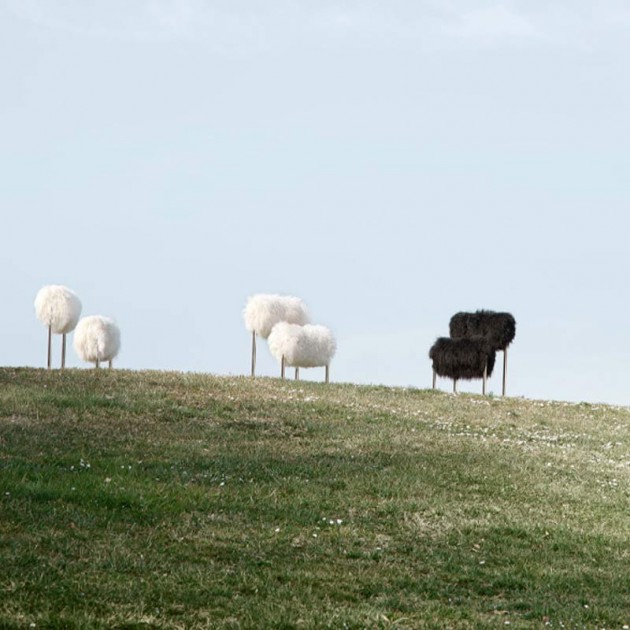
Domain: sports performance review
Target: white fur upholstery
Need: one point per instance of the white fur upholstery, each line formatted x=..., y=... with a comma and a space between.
x=97, y=338
x=263, y=311
x=302, y=346
x=58, y=307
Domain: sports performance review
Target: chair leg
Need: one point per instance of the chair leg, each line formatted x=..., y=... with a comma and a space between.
x=504, y=369
x=49, y=362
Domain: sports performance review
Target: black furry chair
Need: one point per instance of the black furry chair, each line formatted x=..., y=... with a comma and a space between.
x=465, y=358
x=498, y=328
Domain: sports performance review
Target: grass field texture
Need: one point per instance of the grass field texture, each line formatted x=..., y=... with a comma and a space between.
x=168, y=500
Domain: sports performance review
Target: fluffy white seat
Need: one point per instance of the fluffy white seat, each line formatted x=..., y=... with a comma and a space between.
x=58, y=307
x=302, y=346
x=97, y=339
x=264, y=311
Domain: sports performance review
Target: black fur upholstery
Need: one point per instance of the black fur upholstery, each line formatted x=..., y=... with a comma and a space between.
x=463, y=358
x=498, y=328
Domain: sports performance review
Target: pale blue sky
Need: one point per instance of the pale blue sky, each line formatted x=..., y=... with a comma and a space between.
x=389, y=162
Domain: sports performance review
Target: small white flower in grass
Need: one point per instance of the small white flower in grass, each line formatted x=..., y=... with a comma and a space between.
x=108, y=479
x=277, y=530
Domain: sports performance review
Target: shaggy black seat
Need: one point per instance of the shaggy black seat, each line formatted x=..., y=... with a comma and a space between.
x=498, y=328
x=465, y=358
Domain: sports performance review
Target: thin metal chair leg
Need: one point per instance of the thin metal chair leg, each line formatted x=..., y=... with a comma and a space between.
x=63, y=351
x=504, y=369
x=49, y=363
x=297, y=373
x=485, y=379
x=282, y=365
x=254, y=353
x=327, y=378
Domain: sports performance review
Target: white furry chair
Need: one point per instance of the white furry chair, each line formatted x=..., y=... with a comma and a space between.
x=58, y=308
x=302, y=346
x=97, y=339
x=264, y=311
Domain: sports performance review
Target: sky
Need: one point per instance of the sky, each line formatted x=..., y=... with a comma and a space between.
x=391, y=162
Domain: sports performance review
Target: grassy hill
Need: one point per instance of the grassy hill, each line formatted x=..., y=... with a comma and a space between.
x=164, y=500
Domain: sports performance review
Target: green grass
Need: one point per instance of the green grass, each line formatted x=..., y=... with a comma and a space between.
x=163, y=500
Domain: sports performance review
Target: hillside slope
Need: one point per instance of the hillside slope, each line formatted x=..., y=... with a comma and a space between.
x=168, y=500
